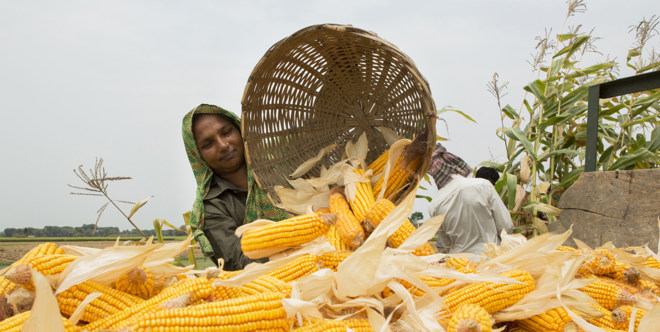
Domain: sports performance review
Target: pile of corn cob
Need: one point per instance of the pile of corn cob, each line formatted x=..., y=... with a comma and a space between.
x=355, y=265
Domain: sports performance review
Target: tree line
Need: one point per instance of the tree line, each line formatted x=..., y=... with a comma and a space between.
x=84, y=231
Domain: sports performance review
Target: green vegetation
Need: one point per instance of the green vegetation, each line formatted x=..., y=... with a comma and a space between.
x=544, y=138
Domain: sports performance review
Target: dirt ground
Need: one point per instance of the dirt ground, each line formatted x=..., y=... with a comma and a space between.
x=12, y=251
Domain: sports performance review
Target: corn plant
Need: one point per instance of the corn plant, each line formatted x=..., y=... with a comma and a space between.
x=545, y=138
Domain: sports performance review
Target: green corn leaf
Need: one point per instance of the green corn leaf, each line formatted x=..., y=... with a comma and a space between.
x=568, y=152
x=555, y=67
x=543, y=207
x=565, y=36
x=510, y=112
x=537, y=88
x=518, y=135
x=631, y=159
x=451, y=109
x=511, y=182
x=497, y=166
x=591, y=70
x=655, y=140
x=424, y=197
x=572, y=48
x=158, y=228
x=569, y=178
x=640, y=120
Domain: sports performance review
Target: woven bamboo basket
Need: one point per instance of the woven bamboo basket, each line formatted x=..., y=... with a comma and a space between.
x=328, y=84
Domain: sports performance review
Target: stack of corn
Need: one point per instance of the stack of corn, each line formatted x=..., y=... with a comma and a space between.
x=304, y=288
x=622, y=291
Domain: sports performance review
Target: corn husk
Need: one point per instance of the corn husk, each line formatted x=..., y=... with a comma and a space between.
x=525, y=170
x=119, y=260
x=651, y=320
x=310, y=163
x=80, y=310
x=389, y=135
x=351, y=179
x=356, y=153
x=45, y=314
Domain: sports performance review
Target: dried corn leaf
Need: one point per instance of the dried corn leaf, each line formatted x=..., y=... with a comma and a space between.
x=351, y=179
x=651, y=320
x=298, y=201
x=138, y=205
x=80, y=310
x=356, y=153
x=389, y=135
x=423, y=233
x=79, y=251
x=525, y=170
x=310, y=163
x=116, y=261
x=45, y=314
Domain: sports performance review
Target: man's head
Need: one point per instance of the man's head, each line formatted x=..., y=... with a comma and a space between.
x=488, y=173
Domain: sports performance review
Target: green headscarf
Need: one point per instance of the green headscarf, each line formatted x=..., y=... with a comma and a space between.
x=258, y=206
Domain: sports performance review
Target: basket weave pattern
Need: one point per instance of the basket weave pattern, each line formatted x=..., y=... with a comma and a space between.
x=328, y=84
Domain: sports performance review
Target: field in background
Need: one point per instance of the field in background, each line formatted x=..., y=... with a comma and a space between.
x=12, y=249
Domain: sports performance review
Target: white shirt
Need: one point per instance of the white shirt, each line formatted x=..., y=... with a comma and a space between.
x=475, y=215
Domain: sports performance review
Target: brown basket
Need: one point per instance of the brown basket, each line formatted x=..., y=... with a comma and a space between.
x=328, y=84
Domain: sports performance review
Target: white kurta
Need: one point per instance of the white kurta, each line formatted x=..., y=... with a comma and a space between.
x=475, y=215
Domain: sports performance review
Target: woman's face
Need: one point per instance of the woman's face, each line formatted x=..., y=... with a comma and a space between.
x=219, y=143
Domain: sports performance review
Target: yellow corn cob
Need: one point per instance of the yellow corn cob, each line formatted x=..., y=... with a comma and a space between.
x=111, y=301
x=403, y=170
x=322, y=211
x=599, y=262
x=15, y=323
x=299, y=268
x=348, y=226
x=199, y=287
x=6, y=285
x=649, y=286
x=607, y=320
x=46, y=248
x=458, y=262
x=379, y=211
x=363, y=200
x=225, y=292
x=432, y=282
x=262, y=311
x=623, y=314
x=607, y=294
x=48, y=264
x=470, y=318
x=492, y=296
x=378, y=165
x=553, y=320
x=138, y=281
x=266, y=284
x=291, y=232
x=331, y=260
x=335, y=239
x=652, y=263
x=565, y=248
x=328, y=325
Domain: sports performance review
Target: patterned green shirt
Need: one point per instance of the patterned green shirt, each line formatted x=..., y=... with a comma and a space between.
x=257, y=204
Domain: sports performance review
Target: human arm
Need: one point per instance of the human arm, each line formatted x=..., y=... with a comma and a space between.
x=219, y=229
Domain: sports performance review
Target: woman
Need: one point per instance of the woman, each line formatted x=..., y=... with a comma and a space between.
x=227, y=195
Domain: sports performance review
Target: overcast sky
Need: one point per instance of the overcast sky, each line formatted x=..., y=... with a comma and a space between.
x=113, y=79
